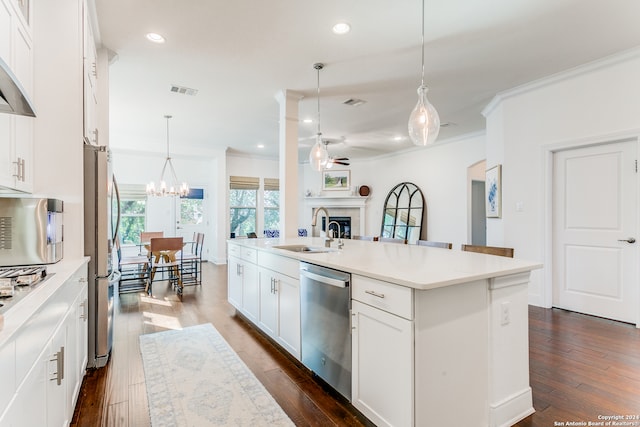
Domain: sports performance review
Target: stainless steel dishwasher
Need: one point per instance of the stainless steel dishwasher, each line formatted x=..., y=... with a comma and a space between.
x=326, y=330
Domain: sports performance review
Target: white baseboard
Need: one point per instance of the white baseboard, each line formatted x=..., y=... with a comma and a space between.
x=512, y=409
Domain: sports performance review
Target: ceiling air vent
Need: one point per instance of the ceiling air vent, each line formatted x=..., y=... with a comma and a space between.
x=183, y=90
x=354, y=102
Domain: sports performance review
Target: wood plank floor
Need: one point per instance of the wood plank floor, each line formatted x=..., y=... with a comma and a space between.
x=581, y=366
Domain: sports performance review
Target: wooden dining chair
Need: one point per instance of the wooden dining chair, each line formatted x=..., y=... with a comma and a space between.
x=166, y=257
x=145, y=238
x=434, y=244
x=490, y=250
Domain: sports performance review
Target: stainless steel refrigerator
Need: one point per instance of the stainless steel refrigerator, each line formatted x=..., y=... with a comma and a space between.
x=101, y=222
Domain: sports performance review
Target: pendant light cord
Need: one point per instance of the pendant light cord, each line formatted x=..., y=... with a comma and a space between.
x=422, y=82
x=318, y=66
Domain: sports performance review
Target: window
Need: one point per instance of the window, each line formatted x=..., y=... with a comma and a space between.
x=133, y=205
x=271, y=204
x=243, y=202
x=191, y=207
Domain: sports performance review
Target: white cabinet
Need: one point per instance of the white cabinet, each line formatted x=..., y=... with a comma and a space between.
x=382, y=368
x=90, y=77
x=45, y=359
x=242, y=283
x=265, y=288
x=250, y=291
x=280, y=309
x=16, y=132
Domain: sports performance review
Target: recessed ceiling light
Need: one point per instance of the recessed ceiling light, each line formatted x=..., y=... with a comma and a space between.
x=155, y=37
x=307, y=121
x=397, y=138
x=260, y=145
x=341, y=28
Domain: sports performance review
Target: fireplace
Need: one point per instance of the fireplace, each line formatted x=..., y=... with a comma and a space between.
x=345, y=225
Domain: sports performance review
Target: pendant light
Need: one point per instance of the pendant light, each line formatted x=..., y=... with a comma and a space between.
x=424, y=122
x=173, y=188
x=319, y=155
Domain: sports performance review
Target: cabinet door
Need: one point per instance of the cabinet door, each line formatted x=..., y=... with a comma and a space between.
x=382, y=368
x=234, y=282
x=56, y=382
x=7, y=167
x=23, y=153
x=268, y=303
x=24, y=411
x=250, y=291
x=288, y=290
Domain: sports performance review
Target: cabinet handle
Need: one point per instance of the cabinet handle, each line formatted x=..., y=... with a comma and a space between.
x=19, y=175
x=83, y=315
x=58, y=357
x=375, y=294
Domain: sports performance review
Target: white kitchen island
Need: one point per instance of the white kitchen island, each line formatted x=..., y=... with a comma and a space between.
x=439, y=337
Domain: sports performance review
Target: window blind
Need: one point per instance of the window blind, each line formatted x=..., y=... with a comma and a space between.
x=132, y=191
x=271, y=184
x=244, y=183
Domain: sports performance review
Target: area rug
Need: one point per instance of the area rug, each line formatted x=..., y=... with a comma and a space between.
x=194, y=378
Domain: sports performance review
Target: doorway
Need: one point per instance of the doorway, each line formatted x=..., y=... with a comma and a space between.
x=594, y=227
x=477, y=217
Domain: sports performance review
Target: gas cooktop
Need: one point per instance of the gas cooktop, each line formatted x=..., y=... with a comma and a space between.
x=15, y=282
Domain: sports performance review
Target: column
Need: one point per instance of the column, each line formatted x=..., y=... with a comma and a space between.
x=288, y=174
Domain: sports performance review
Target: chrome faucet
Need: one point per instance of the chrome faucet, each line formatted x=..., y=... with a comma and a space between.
x=315, y=215
x=328, y=239
x=327, y=243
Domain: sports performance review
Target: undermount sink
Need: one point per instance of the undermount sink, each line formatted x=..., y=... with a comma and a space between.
x=304, y=248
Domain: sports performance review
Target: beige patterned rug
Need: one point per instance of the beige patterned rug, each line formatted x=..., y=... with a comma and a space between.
x=194, y=378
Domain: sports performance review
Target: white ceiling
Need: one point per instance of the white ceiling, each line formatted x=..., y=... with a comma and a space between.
x=238, y=54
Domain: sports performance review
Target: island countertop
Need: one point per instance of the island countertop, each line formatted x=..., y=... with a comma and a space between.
x=417, y=267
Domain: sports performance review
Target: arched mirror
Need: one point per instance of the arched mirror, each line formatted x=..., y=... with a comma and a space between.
x=403, y=212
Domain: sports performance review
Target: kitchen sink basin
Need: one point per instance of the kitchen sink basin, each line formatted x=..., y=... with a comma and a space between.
x=305, y=248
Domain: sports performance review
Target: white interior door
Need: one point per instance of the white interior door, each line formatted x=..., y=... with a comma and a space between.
x=191, y=214
x=595, y=224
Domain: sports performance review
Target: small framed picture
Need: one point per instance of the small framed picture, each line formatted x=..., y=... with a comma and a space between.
x=336, y=180
x=493, y=191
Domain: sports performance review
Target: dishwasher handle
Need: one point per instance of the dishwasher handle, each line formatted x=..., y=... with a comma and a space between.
x=324, y=279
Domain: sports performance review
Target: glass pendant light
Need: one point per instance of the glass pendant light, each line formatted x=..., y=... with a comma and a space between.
x=319, y=155
x=424, y=122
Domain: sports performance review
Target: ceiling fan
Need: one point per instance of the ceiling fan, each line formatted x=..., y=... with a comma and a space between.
x=344, y=161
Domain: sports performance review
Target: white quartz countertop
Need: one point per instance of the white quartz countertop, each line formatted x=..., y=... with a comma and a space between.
x=18, y=314
x=418, y=267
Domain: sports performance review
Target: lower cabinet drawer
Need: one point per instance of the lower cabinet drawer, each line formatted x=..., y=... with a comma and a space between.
x=386, y=296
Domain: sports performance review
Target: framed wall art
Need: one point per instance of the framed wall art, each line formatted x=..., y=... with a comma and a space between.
x=336, y=180
x=493, y=191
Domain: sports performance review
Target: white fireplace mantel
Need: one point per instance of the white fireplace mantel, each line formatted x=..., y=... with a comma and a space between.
x=340, y=202
x=337, y=202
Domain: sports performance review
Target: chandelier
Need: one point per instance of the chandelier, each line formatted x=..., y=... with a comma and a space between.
x=173, y=187
x=319, y=155
x=424, y=122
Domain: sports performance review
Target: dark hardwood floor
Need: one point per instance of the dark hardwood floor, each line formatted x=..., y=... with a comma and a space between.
x=581, y=366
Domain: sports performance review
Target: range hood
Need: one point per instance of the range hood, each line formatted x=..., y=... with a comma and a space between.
x=13, y=98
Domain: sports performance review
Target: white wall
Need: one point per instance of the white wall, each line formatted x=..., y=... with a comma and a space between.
x=205, y=170
x=440, y=171
x=594, y=103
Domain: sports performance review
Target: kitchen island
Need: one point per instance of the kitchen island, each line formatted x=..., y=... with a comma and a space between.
x=439, y=337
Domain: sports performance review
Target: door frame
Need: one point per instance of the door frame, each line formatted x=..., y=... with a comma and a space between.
x=548, y=152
